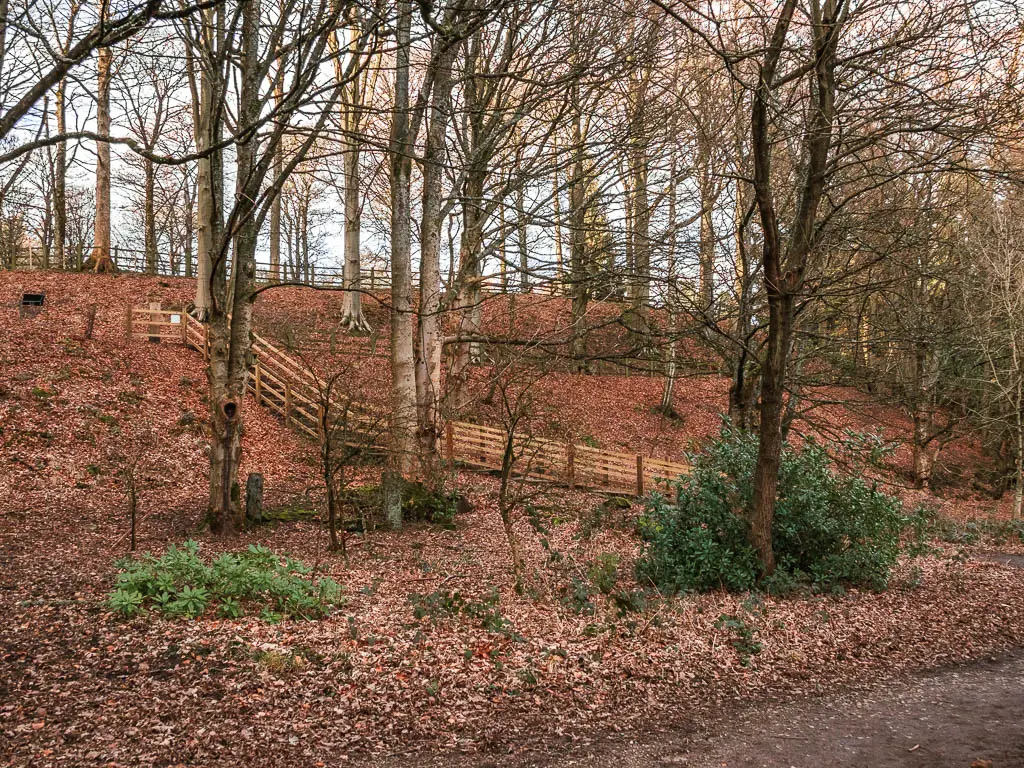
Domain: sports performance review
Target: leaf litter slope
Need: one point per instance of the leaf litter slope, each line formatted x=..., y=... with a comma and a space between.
x=79, y=686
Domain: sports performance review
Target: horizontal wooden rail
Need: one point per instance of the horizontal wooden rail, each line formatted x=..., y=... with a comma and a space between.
x=285, y=385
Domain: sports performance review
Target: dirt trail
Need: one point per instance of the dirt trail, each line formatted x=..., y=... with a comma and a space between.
x=944, y=719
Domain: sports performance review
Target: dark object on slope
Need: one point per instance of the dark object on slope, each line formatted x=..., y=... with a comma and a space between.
x=31, y=304
x=254, y=498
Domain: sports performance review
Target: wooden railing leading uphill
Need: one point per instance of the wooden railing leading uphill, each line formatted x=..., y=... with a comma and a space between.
x=287, y=387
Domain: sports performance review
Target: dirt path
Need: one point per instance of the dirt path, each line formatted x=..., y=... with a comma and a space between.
x=967, y=716
x=945, y=719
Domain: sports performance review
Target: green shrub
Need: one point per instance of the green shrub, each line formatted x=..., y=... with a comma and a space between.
x=180, y=583
x=604, y=572
x=829, y=531
x=421, y=503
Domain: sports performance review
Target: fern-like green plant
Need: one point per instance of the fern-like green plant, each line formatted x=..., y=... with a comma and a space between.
x=180, y=583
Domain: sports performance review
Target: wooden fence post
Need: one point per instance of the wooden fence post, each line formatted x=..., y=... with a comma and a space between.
x=570, y=466
x=257, y=375
x=206, y=342
x=449, y=439
x=639, y=475
x=154, y=330
x=287, y=403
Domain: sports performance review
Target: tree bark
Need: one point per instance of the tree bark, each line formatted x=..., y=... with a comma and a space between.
x=100, y=260
x=231, y=313
x=428, y=357
x=209, y=176
x=403, y=366
x=60, y=170
x=352, y=317
x=784, y=265
x=578, y=277
x=275, y=206
x=524, y=252
x=149, y=216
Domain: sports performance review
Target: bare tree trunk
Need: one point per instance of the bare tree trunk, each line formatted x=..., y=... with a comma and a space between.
x=1018, y=491
x=274, y=275
x=524, y=254
x=428, y=358
x=671, y=343
x=707, y=241
x=922, y=460
x=742, y=386
x=784, y=266
x=467, y=350
x=231, y=315
x=467, y=304
x=60, y=171
x=578, y=277
x=668, y=390
x=641, y=236
x=503, y=247
x=275, y=206
x=100, y=260
x=149, y=214
x=556, y=195
x=352, y=317
x=189, y=216
x=403, y=365
x=209, y=178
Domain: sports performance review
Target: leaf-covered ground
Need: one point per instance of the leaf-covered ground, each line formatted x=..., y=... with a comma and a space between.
x=552, y=667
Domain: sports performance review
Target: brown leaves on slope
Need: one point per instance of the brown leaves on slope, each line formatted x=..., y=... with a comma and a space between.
x=79, y=686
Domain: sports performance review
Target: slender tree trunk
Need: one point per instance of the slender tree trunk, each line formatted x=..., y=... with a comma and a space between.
x=231, y=315
x=502, y=248
x=189, y=216
x=209, y=179
x=60, y=170
x=468, y=285
x=641, y=236
x=1018, y=491
x=403, y=365
x=707, y=242
x=352, y=317
x=274, y=275
x=524, y=254
x=275, y=206
x=428, y=358
x=784, y=265
x=671, y=343
x=671, y=304
x=578, y=277
x=149, y=214
x=100, y=259
x=556, y=194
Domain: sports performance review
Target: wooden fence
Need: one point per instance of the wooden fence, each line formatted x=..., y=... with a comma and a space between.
x=286, y=386
x=372, y=278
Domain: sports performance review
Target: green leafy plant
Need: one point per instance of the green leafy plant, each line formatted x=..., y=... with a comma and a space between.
x=421, y=503
x=180, y=583
x=604, y=572
x=829, y=531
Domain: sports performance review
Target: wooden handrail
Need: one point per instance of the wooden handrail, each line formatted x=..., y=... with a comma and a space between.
x=276, y=374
